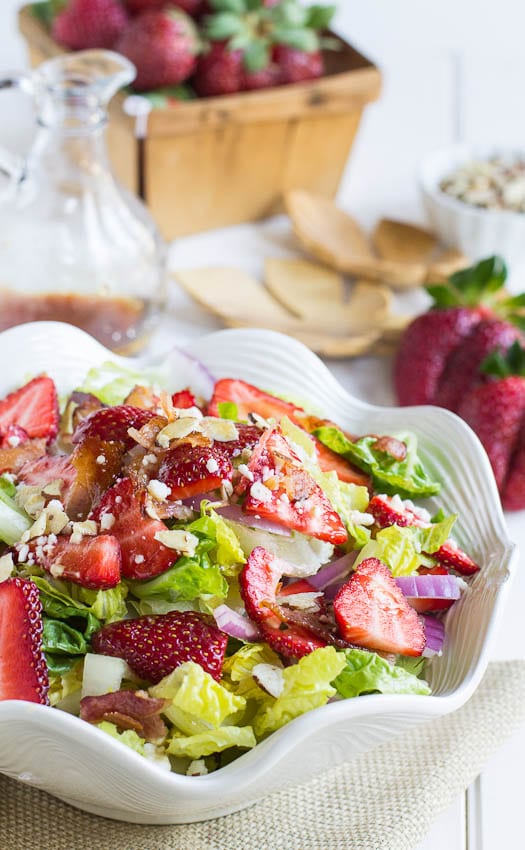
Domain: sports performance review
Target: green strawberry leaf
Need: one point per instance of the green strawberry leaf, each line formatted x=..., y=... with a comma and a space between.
x=289, y=14
x=47, y=11
x=504, y=364
x=470, y=287
x=236, y=6
x=256, y=56
x=300, y=39
x=320, y=17
x=223, y=25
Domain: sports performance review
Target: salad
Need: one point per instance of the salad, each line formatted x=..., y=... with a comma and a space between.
x=190, y=574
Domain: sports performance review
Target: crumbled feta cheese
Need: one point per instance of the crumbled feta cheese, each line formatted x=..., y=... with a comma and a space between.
x=247, y=473
x=101, y=460
x=148, y=459
x=158, y=490
x=76, y=538
x=57, y=570
x=139, y=559
x=6, y=566
x=107, y=521
x=221, y=430
x=182, y=541
x=14, y=441
x=359, y=518
x=23, y=552
x=212, y=465
x=259, y=492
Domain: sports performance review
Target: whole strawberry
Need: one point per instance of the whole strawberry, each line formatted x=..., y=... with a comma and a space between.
x=85, y=24
x=496, y=412
x=191, y=7
x=441, y=351
x=163, y=45
x=155, y=645
x=255, y=44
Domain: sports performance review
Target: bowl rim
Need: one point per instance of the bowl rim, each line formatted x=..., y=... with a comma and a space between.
x=269, y=752
x=444, y=159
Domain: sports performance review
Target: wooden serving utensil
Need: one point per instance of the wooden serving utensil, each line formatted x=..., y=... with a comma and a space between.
x=336, y=239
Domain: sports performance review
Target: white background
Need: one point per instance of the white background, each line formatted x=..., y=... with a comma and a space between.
x=454, y=70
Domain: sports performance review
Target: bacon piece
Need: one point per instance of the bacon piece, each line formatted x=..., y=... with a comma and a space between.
x=127, y=710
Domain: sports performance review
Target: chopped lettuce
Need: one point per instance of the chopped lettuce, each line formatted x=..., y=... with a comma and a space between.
x=407, y=478
x=368, y=673
x=412, y=664
x=202, y=576
x=62, y=685
x=129, y=737
x=111, y=383
x=198, y=702
x=212, y=741
x=228, y=410
x=305, y=554
x=306, y=686
x=108, y=605
x=403, y=550
x=13, y=521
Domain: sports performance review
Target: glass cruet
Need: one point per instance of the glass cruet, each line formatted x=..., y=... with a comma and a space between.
x=75, y=246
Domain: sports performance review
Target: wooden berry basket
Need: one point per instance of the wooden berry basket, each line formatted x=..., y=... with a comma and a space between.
x=220, y=161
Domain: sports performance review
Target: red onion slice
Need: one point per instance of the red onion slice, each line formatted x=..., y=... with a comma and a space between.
x=333, y=572
x=236, y=514
x=234, y=624
x=434, y=635
x=430, y=586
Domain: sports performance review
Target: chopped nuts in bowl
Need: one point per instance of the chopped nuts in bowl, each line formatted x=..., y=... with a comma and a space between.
x=475, y=199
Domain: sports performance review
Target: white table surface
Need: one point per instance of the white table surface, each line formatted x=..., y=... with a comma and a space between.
x=453, y=71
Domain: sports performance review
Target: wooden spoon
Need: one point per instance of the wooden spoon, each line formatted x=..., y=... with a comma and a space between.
x=337, y=240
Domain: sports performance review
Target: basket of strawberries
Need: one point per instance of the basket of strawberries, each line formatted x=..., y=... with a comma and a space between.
x=248, y=99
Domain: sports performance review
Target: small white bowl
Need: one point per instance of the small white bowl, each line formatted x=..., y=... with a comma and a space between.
x=78, y=763
x=477, y=232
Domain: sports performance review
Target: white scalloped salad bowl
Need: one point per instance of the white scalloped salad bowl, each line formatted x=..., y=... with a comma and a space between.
x=83, y=766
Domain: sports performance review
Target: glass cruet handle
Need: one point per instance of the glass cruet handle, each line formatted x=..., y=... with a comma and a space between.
x=13, y=167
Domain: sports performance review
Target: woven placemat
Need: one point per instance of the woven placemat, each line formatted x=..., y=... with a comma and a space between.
x=383, y=800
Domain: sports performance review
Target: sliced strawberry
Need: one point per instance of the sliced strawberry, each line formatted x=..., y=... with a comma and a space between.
x=248, y=437
x=250, y=399
x=113, y=423
x=155, y=645
x=44, y=470
x=387, y=512
x=450, y=555
x=183, y=399
x=438, y=570
x=33, y=407
x=190, y=470
x=301, y=586
x=371, y=611
x=13, y=437
x=292, y=641
x=258, y=583
x=94, y=562
x=23, y=669
x=284, y=492
x=121, y=510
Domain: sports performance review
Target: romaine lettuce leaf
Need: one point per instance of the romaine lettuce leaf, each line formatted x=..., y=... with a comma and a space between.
x=13, y=521
x=107, y=605
x=111, y=383
x=402, y=549
x=212, y=741
x=366, y=673
x=61, y=639
x=306, y=686
x=227, y=552
x=62, y=685
x=407, y=478
x=129, y=737
x=188, y=579
x=198, y=702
